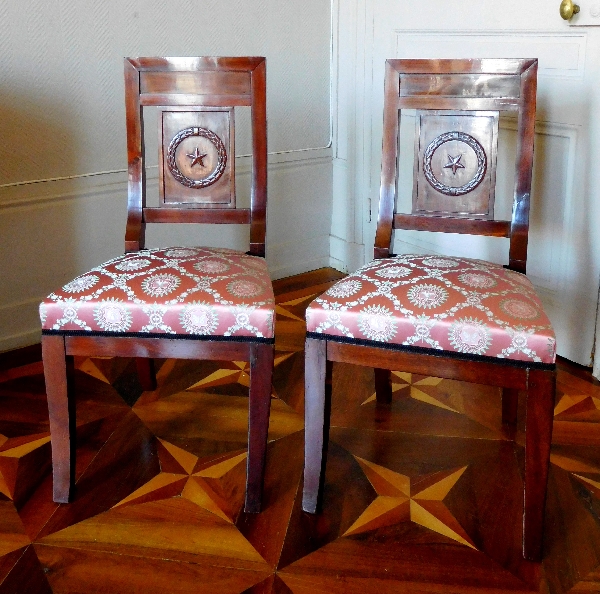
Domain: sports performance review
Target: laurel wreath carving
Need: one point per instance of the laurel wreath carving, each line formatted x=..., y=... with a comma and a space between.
x=214, y=140
x=481, y=163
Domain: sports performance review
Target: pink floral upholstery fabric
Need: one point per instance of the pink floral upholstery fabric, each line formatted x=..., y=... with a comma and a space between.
x=450, y=304
x=180, y=291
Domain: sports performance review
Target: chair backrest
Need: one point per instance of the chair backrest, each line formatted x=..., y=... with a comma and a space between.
x=457, y=105
x=195, y=98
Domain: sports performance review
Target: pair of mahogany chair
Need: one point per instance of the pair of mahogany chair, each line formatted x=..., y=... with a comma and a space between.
x=450, y=317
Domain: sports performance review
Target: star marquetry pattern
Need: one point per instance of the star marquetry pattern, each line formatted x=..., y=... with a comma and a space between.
x=286, y=309
x=16, y=454
x=579, y=468
x=234, y=372
x=585, y=405
x=197, y=158
x=184, y=474
x=424, y=390
x=400, y=499
x=454, y=163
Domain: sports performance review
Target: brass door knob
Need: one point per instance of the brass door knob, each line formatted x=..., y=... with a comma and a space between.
x=568, y=9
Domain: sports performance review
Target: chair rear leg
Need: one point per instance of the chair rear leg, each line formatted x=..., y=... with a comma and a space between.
x=61, y=408
x=317, y=401
x=146, y=373
x=261, y=374
x=510, y=404
x=538, y=437
x=383, y=386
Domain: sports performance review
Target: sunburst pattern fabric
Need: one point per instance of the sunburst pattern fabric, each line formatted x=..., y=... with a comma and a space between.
x=180, y=291
x=442, y=303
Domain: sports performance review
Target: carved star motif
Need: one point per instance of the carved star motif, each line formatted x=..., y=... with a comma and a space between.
x=402, y=499
x=453, y=163
x=197, y=158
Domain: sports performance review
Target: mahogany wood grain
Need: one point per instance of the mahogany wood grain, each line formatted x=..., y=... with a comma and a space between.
x=185, y=64
x=464, y=85
x=176, y=348
x=62, y=417
x=209, y=82
x=465, y=66
x=452, y=225
x=316, y=424
x=389, y=165
x=319, y=280
x=136, y=183
x=261, y=371
x=538, y=437
x=158, y=99
x=459, y=103
x=26, y=575
x=485, y=372
x=525, y=135
x=510, y=405
x=383, y=386
x=146, y=373
x=197, y=214
x=258, y=225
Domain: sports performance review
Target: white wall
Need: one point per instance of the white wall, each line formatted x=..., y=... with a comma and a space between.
x=62, y=126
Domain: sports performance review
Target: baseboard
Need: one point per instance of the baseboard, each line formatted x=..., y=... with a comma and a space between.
x=21, y=340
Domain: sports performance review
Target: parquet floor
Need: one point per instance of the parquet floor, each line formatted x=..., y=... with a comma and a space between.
x=422, y=497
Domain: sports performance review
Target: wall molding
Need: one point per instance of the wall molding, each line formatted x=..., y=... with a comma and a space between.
x=73, y=188
x=566, y=62
x=346, y=256
x=17, y=341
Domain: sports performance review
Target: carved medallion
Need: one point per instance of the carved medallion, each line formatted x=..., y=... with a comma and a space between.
x=454, y=163
x=197, y=157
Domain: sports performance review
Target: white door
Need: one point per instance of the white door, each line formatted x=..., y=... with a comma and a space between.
x=564, y=244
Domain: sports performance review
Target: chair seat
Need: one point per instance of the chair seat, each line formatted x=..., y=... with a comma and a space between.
x=444, y=303
x=179, y=291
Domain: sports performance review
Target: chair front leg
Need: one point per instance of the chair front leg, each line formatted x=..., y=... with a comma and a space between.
x=261, y=374
x=317, y=395
x=61, y=409
x=538, y=437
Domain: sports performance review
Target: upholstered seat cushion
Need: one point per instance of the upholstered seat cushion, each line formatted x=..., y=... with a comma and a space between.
x=179, y=291
x=443, y=303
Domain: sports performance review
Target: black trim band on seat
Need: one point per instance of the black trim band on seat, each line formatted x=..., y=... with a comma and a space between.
x=433, y=352
x=205, y=337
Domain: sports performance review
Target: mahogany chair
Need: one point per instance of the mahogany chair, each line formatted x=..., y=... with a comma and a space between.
x=449, y=317
x=188, y=303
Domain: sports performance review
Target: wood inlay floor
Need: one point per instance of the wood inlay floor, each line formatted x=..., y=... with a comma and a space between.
x=424, y=496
